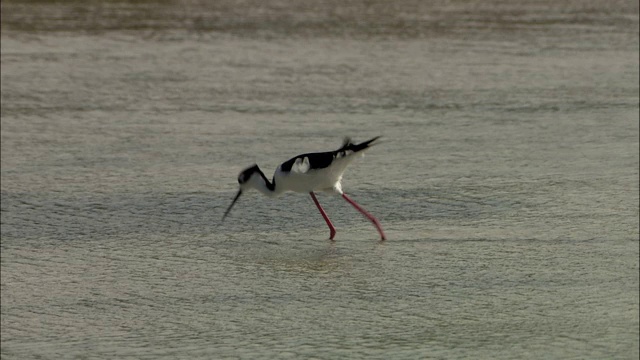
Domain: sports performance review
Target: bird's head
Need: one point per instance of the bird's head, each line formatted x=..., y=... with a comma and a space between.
x=247, y=179
x=247, y=175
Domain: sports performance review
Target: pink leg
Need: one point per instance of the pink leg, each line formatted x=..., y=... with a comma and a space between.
x=332, y=229
x=364, y=212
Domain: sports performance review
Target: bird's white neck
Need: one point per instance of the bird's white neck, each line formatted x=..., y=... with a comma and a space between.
x=260, y=182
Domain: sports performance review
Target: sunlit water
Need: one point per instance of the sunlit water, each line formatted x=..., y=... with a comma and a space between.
x=507, y=181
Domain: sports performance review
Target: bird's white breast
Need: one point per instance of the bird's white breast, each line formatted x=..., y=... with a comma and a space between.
x=303, y=179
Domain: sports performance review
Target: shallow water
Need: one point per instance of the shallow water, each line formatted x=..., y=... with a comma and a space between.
x=507, y=182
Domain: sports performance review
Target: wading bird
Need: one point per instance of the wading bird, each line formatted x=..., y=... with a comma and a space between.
x=308, y=173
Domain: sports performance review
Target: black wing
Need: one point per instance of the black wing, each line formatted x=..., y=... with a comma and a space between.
x=324, y=159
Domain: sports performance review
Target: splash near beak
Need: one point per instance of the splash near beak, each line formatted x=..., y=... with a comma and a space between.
x=233, y=202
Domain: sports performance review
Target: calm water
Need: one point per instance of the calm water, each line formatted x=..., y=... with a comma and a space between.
x=507, y=182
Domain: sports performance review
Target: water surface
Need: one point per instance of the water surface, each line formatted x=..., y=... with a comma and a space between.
x=507, y=181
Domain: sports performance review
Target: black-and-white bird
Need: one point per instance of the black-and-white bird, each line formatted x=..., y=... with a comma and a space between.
x=309, y=173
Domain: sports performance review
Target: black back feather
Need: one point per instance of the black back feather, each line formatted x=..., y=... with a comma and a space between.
x=324, y=159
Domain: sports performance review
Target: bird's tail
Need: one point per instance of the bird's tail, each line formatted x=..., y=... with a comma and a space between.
x=347, y=145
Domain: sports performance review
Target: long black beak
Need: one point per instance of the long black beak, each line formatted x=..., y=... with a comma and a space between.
x=230, y=206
